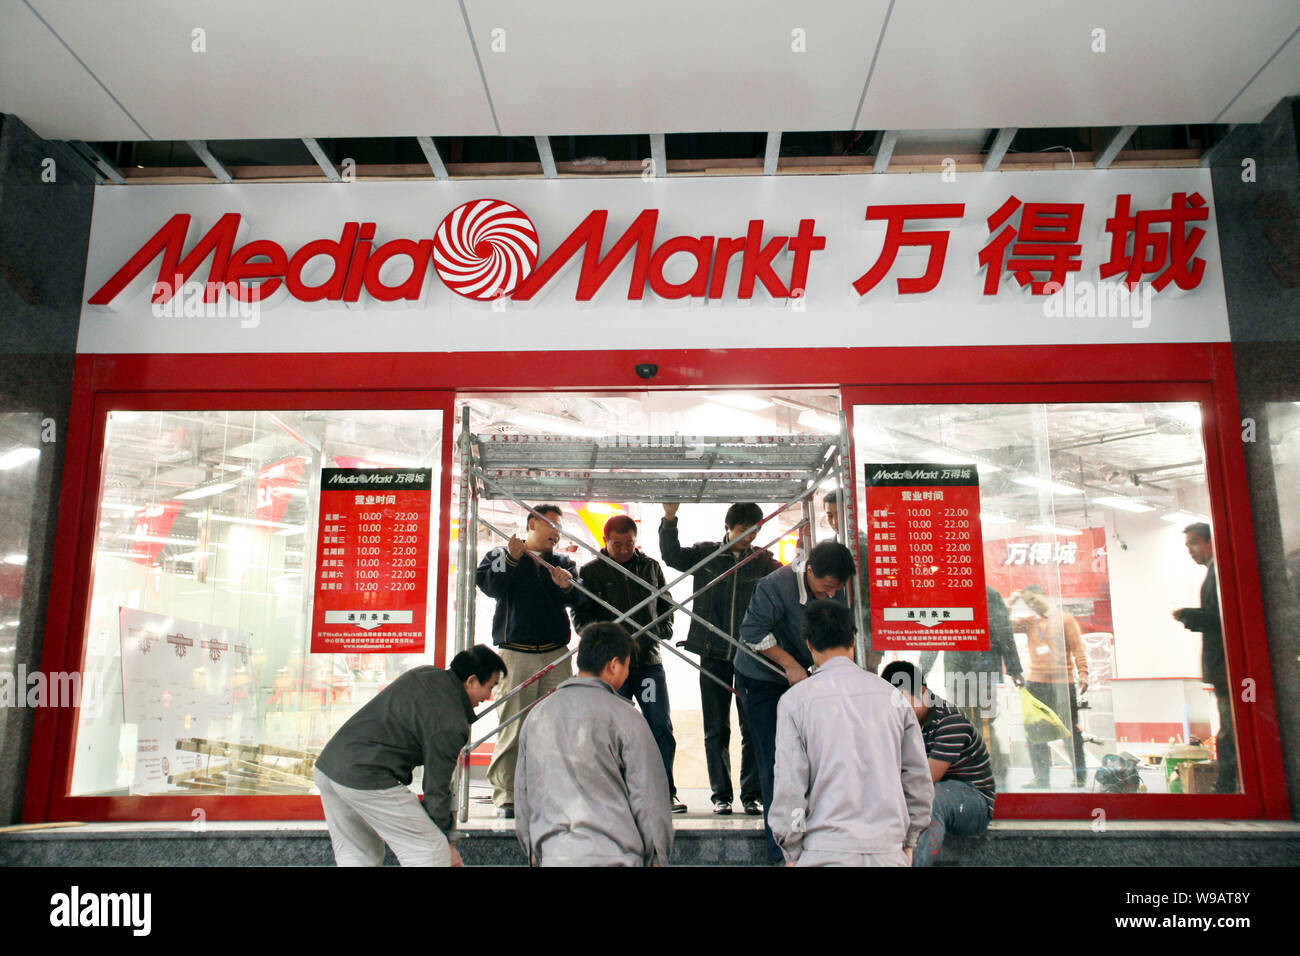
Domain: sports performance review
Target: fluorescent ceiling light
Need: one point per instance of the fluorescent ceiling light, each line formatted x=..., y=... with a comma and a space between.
x=204, y=491
x=1188, y=414
x=553, y=423
x=1052, y=529
x=746, y=403
x=195, y=555
x=1123, y=504
x=821, y=421
x=989, y=517
x=870, y=436
x=947, y=456
x=18, y=456
x=124, y=417
x=395, y=461
x=159, y=540
x=1033, y=481
x=1184, y=517
x=11, y=623
x=231, y=519
x=121, y=506
x=15, y=558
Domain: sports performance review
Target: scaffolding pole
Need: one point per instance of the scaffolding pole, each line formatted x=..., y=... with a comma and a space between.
x=472, y=475
x=845, y=500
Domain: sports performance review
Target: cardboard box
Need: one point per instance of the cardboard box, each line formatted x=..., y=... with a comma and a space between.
x=1198, y=777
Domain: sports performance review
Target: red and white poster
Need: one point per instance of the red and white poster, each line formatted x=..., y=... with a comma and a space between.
x=372, y=561
x=152, y=526
x=925, y=561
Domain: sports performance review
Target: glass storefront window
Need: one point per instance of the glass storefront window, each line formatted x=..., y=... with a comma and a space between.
x=1083, y=510
x=19, y=462
x=207, y=524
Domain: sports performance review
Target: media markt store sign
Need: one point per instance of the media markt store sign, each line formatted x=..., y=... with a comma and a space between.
x=1063, y=336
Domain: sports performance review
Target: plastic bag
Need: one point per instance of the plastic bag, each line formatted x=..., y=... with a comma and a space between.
x=1041, y=722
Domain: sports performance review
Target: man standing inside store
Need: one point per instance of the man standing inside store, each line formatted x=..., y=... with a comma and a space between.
x=773, y=627
x=964, y=790
x=1214, y=669
x=723, y=605
x=533, y=588
x=852, y=785
x=421, y=719
x=1056, y=660
x=831, y=505
x=591, y=784
x=646, y=682
x=972, y=678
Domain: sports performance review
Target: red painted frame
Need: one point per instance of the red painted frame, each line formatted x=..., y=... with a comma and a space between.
x=1191, y=372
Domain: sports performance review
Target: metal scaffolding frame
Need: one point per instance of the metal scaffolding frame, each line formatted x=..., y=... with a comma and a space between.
x=648, y=469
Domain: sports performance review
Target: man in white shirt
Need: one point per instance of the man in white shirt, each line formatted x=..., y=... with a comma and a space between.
x=852, y=783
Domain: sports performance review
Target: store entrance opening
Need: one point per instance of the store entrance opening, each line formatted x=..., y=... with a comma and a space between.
x=667, y=470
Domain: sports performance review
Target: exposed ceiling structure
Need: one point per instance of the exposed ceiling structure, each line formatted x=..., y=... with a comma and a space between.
x=1070, y=460
x=216, y=81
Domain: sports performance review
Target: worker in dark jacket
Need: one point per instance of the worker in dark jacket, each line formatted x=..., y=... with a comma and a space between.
x=1214, y=668
x=724, y=606
x=421, y=719
x=646, y=682
x=972, y=678
x=533, y=588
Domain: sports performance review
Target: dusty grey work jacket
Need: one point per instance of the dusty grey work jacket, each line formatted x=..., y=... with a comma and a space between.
x=590, y=786
x=851, y=772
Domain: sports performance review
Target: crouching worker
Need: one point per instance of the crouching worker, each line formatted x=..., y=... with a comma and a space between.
x=590, y=786
x=959, y=764
x=851, y=784
x=420, y=719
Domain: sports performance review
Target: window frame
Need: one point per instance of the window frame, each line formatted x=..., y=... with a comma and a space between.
x=1201, y=372
x=1245, y=643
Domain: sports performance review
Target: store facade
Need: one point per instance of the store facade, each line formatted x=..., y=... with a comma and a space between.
x=980, y=321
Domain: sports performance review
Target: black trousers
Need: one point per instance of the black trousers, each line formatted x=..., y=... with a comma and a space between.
x=716, y=703
x=1061, y=698
x=1225, y=744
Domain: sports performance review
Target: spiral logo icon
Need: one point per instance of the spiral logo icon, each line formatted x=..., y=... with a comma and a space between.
x=484, y=249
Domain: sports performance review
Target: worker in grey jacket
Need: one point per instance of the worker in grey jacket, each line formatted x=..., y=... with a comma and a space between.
x=363, y=774
x=590, y=787
x=852, y=784
x=773, y=627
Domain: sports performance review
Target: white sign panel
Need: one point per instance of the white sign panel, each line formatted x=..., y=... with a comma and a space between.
x=182, y=680
x=1114, y=256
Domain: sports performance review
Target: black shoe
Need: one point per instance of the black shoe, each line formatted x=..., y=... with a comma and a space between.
x=677, y=805
x=753, y=808
x=722, y=807
x=506, y=810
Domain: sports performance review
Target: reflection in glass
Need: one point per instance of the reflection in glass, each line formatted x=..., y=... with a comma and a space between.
x=1083, y=508
x=201, y=598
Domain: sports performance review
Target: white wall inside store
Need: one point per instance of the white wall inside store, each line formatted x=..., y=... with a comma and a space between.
x=1149, y=579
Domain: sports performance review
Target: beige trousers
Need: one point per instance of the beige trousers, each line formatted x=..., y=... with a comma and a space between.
x=521, y=665
x=362, y=821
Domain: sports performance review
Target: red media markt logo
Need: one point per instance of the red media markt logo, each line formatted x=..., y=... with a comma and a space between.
x=484, y=249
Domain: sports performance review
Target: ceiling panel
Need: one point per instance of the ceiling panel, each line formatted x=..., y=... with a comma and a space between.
x=285, y=69
x=333, y=68
x=43, y=85
x=587, y=67
x=1281, y=78
x=1006, y=63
